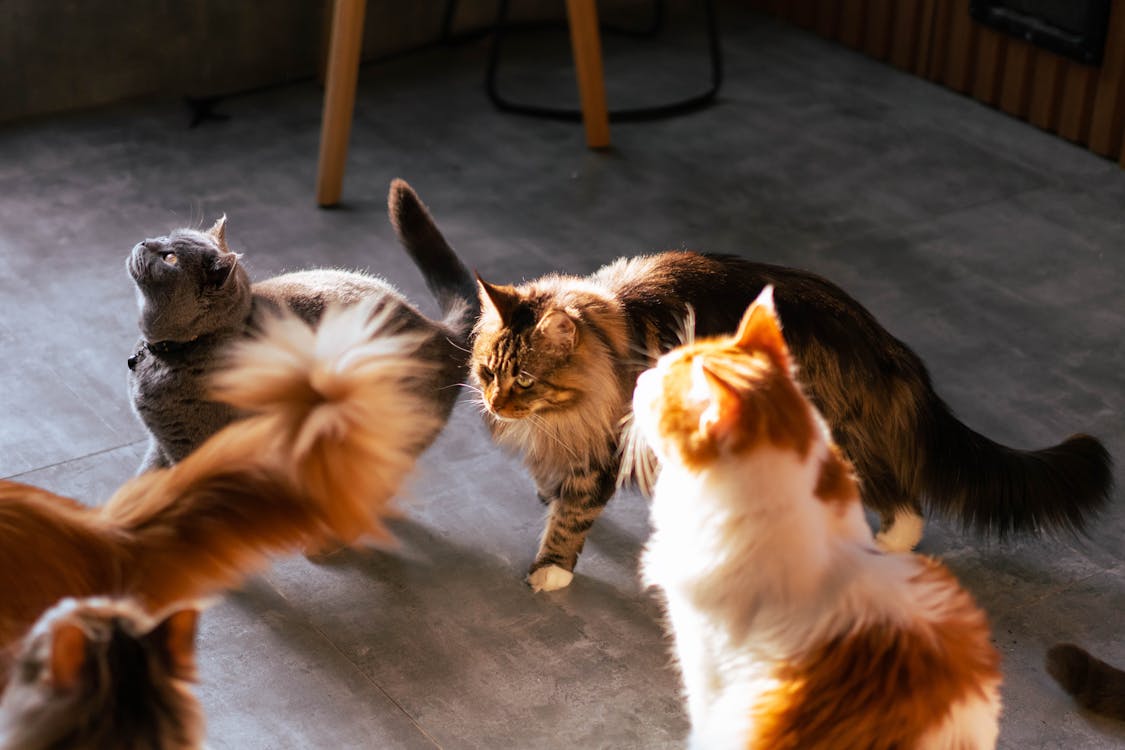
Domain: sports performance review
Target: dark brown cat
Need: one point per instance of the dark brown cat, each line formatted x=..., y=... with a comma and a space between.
x=1097, y=686
x=557, y=358
x=99, y=673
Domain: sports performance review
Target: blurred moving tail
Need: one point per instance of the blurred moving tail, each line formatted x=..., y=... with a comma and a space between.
x=334, y=430
x=1097, y=686
x=446, y=276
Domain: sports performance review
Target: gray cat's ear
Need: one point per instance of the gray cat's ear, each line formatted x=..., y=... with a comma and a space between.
x=221, y=268
x=218, y=231
x=174, y=640
x=558, y=329
x=502, y=300
x=68, y=655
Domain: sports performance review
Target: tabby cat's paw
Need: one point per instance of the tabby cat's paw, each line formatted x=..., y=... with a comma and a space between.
x=549, y=578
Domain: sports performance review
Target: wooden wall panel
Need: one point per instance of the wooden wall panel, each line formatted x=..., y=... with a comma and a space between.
x=960, y=49
x=939, y=40
x=904, y=37
x=1015, y=85
x=853, y=15
x=877, y=35
x=989, y=65
x=924, y=38
x=828, y=18
x=1046, y=90
x=1109, y=99
x=1077, y=102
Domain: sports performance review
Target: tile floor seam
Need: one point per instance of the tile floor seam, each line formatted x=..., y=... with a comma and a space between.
x=359, y=670
x=56, y=464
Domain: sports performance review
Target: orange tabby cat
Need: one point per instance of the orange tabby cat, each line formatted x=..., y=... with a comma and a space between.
x=792, y=628
x=339, y=419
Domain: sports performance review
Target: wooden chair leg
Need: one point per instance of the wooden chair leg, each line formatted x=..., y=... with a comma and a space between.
x=339, y=98
x=586, y=47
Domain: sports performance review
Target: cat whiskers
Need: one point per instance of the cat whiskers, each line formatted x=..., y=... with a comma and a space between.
x=545, y=428
x=638, y=463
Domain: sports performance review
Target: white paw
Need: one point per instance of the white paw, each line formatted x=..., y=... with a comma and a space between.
x=904, y=534
x=550, y=578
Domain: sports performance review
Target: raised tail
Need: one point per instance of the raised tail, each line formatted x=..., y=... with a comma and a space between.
x=1097, y=686
x=999, y=490
x=446, y=276
x=334, y=430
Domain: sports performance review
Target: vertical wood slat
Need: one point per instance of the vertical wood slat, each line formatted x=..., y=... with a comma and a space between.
x=939, y=50
x=877, y=35
x=1108, y=117
x=904, y=36
x=802, y=13
x=989, y=65
x=1079, y=86
x=1015, y=86
x=961, y=53
x=1046, y=90
x=925, y=38
x=828, y=18
x=853, y=16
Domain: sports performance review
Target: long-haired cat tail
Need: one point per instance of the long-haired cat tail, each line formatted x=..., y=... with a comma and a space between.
x=338, y=418
x=791, y=628
x=1096, y=685
x=557, y=358
x=99, y=673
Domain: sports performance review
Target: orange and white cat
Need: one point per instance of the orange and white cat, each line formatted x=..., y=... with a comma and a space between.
x=792, y=628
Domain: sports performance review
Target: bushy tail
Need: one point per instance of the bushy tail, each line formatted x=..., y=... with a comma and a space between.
x=999, y=490
x=445, y=274
x=334, y=431
x=1097, y=686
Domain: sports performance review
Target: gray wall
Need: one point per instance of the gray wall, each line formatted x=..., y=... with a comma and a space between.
x=58, y=55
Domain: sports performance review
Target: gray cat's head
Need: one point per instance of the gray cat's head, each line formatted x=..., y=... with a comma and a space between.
x=189, y=284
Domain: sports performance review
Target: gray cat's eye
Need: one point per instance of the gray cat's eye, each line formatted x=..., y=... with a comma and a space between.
x=170, y=259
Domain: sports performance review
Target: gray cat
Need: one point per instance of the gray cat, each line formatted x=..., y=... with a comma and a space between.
x=195, y=297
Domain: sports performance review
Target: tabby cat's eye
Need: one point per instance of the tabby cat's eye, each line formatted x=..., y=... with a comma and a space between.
x=524, y=381
x=484, y=374
x=170, y=259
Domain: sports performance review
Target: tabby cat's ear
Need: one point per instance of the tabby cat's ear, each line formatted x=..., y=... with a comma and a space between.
x=500, y=299
x=68, y=655
x=174, y=640
x=760, y=329
x=218, y=231
x=558, y=329
x=220, y=269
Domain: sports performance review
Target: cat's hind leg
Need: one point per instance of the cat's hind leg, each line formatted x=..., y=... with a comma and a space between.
x=574, y=506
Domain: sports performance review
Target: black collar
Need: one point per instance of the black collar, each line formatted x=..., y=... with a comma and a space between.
x=169, y=347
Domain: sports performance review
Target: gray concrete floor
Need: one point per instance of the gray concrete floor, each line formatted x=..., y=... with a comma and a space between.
x=991, y=248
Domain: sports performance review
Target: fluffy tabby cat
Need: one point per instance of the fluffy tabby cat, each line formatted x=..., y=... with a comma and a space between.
x=100, y=674
x=556, y=360
x=792, y=629
x=337, y=421
x=1097, y=686
x=195, y=297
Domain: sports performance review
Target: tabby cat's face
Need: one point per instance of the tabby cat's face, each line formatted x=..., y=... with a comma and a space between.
x=524, y=355
x=184, y=278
